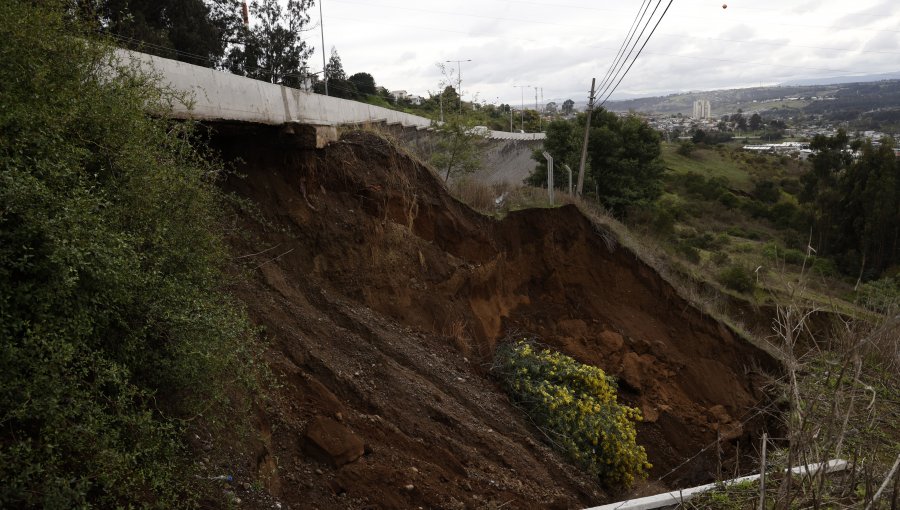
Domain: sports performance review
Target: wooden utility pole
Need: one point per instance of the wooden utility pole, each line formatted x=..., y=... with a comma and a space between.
x=587, y=132
x=762, y=475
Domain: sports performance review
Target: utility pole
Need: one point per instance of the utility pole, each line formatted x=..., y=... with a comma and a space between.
x=543, y=105
x=459, y=79
x=322, y=30
x=522, y=112
x=587, y=131
x=549, y=159
x=536, y=108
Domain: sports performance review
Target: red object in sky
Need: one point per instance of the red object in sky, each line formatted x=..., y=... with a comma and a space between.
x=724, y=6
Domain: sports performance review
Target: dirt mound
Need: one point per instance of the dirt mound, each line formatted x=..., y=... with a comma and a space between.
x=385, y=298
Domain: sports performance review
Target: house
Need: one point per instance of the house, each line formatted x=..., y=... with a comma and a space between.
x=399, y=94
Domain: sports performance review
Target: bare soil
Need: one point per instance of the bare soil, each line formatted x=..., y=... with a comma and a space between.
x=384, y=299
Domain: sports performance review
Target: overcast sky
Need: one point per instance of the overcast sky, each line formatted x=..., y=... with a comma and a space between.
x=561, y=46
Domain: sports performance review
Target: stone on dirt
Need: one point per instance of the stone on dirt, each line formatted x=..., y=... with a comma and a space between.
x=332, y=442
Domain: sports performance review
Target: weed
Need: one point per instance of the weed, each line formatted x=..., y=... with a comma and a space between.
x=575, y=406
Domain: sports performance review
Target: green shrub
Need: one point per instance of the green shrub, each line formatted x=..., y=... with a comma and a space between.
x=690, y=253
x=720, y=258
x=737, y=278
x=880, y=295
x=686, y=148
x=575, y=405
x=824, y=267
x=113, y=323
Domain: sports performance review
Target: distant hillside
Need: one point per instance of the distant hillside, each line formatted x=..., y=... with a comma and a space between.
x=835, y=80
x=866, y=105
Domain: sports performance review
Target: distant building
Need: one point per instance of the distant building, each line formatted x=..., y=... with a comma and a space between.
x=701, y=109
x=399, y=94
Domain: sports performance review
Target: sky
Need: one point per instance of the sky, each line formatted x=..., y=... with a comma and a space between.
x=559, y=47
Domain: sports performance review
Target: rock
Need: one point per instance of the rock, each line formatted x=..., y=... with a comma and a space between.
x=632, y=370
x=332, y=442
x=409, y=487
x=731, y=431
x=649, y=412
x=719, y=414
x=338, y=416
x=612, y=340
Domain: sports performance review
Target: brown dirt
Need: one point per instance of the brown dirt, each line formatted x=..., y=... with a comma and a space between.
x=385, y=298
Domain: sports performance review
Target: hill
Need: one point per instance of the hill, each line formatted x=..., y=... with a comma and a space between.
x=867, y=105
x=386, y=299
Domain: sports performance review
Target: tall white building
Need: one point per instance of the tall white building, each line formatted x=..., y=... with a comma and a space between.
x=701, y=109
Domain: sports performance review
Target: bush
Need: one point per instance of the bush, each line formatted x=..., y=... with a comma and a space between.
x=737, y=278
x=880, y=295
x=576, y=406
x=113, y=324
x=686, y=148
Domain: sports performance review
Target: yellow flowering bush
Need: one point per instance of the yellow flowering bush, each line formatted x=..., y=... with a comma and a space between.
x=575, y=405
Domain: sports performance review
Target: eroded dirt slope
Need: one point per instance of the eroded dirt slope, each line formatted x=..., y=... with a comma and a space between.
x=385, y=299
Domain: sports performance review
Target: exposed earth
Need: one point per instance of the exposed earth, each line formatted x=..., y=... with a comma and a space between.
x=384, y=299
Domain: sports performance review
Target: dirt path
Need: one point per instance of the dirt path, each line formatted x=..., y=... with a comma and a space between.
x=385, y=298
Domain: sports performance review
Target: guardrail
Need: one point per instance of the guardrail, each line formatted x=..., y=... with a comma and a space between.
x=219, y=95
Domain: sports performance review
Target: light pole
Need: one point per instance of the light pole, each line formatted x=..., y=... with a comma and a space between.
x=522, y=112
x=322, y=30
x=459, y=78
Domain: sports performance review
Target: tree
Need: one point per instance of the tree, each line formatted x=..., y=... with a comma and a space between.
x=551, y=108
x=116, y=328
x=568, y=107
x=334, y=70
x=625, y=167
x=272, y=49
x=854, y=204
x=456, y=150
x=364, y=82
x=188, y=30
x=625, y=161
x=755, y=122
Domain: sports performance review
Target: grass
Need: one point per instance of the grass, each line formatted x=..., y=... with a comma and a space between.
x=709, y=163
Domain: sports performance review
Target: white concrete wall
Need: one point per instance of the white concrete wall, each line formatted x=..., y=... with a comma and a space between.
x=218, y=95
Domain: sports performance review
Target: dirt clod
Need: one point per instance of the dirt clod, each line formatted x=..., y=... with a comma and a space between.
x=333, y=442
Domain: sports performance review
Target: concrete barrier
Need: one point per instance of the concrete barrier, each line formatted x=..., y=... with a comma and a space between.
x=221, y=96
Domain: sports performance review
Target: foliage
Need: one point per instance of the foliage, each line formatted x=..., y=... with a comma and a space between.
x=113, y=324
x=568, y=107
x=855, y=204
x=625, y=168
x=364, y=82
x=881, y=295
x=686, y=148
x=273, y=50
x=711, y=137
x=576, y=406
x=334, y=69
x=738, y=278
x=456, y=149
x=194, y=31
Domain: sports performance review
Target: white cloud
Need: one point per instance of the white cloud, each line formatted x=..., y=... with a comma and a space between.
x=560, y=47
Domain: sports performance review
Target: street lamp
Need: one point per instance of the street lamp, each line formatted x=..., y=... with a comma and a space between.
x=458, y=78
x=522, y=112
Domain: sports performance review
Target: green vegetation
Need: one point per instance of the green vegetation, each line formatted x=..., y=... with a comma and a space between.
x=708, y=163
x=455, y=151
x=575, y=405
x=625, y=168
x=115, y=331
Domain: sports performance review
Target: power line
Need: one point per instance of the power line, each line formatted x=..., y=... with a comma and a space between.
x=638, y=53
x=626, y=41
x=621, y=64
